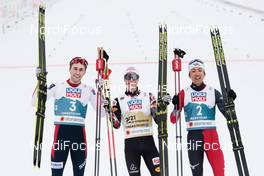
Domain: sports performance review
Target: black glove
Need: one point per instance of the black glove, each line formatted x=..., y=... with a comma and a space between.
x=40, y=75
x=231, y=94
x=175, y=100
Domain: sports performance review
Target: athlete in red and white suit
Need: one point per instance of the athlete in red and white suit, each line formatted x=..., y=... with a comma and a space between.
x=199, y=101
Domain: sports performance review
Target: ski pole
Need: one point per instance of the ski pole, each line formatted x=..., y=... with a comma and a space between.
x=99, y=68
x=176, y=67
x=111, y=139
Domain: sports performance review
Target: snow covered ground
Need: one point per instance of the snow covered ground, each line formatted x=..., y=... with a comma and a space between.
x=128, y=30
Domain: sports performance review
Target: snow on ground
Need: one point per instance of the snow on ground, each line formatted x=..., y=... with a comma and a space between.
x=129, y=32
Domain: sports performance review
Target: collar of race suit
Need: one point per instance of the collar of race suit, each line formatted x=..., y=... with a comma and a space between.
x=198, y=88
x=132, y=94
x=72, y=84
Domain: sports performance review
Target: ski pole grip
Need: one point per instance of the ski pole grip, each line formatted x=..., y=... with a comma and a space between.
x=100, y=63
x=179, y=52
x=176, y=65
x=105, y=55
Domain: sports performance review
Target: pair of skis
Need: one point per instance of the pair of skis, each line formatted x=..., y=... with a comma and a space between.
x=103, y=90
x=232, y=121
x=41, y=90
x=161, y=106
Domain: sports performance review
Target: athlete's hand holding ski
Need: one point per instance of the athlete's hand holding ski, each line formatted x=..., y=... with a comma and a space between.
x=166, y=99
x=231, y=94
x=174, y=116
x=41, y=90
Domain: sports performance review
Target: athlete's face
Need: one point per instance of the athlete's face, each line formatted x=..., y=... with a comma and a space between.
x=131, y=85
x=77, y=71
x=197, y=76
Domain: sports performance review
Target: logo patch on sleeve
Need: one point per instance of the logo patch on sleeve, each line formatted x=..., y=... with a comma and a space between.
x=51, y=86
x=156, y=161
x=56, y=165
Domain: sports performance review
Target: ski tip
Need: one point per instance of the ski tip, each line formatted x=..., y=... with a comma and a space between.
x=217, y=31
x=162, y=25
x=42, y=6
x=211, y=28
x=165, y=27
x=214, y=29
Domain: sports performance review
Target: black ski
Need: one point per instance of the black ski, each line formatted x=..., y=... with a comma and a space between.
x=41, y=90
x=161, y=107
x=232, y=121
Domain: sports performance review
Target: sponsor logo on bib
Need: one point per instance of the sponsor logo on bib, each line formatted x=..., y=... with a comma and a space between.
x=134, y=104
x=198, y=96
x=73, y=92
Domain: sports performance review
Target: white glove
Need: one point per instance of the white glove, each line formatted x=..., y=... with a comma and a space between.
x=105, y=102
x=166, y=99
x=38, y=71
x=99, y=82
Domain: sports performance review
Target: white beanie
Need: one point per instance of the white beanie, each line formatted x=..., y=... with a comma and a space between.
x=196, y=63
x=131, y=70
